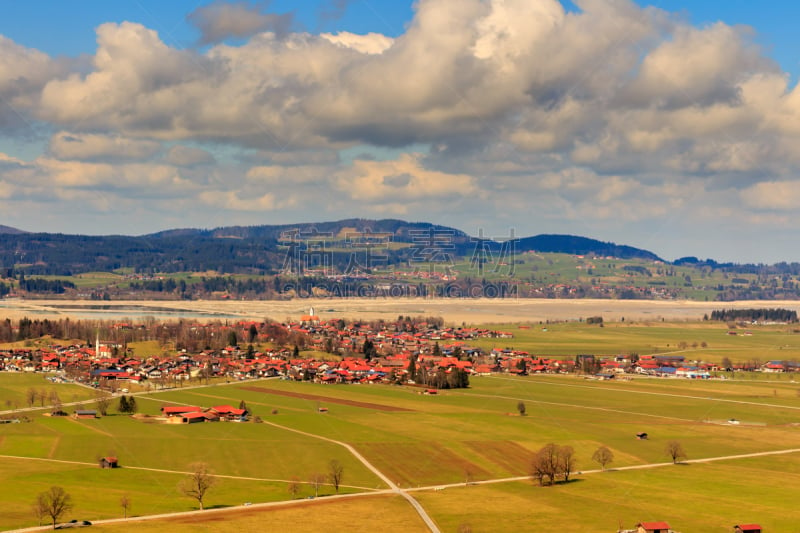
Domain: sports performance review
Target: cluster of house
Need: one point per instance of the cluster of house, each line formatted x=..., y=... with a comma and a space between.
x=663, y=527
x=190, y=414
x=370, y=352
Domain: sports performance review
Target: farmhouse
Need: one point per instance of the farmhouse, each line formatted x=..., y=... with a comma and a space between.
x=180, y=410
x=653, y=527
x=747, y=528
x=229, y=413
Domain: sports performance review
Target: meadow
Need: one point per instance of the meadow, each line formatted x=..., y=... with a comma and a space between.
x=457, y=437
x=708, y=341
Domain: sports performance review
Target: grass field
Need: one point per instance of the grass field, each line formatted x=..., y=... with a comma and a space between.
x=470, y=435
x=765, y=343
x=14, y=388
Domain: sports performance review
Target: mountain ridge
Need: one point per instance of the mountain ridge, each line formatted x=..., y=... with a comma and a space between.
x=263, y=249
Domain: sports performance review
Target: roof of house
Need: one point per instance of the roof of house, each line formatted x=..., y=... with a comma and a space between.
x=180, y=409
x=654, y=525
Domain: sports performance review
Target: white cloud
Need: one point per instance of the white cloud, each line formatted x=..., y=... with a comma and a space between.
x=772, y=195
x=611, y=114
x=371, y=43
x=401, y=179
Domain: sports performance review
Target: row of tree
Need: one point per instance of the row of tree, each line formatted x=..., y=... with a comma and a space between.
x=760, y=315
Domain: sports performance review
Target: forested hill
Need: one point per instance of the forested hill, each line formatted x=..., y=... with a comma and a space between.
x=570, y=244
x=9, y=229
x=263, y=249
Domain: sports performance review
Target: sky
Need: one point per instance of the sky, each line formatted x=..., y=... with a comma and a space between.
x=668, y=125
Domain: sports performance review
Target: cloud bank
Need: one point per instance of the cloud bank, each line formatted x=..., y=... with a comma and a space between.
x=614, y=121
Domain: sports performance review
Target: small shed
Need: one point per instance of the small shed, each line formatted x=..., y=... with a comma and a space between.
x=109, y=462
x=747, y=528
x=85, y=413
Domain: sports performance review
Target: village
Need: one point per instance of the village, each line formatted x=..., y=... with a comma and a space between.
x=413, y=351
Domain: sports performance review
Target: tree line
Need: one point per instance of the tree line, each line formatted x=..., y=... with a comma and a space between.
x=761, y=315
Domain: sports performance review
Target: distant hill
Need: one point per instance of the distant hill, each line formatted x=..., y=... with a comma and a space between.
x=571, y=244
x=11, y=231
x=262, y=249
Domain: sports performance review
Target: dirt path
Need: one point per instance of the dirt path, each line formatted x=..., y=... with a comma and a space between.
x=179, y=472
x=394, y=488
x=576, y=406
x=668, y=394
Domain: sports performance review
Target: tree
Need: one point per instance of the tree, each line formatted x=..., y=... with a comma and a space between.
x=566, y=461
x=233, y=340
x=545, y=464
x=316, y=480
x=293, y=487
x=335, y=472
x=40, y=507
x=252, y=333
x=30, y=396
x=604, y=456
x=123, y=404
x=56, y=503
x=675, y=450
x=198, y=483
x=102, y=401
x=521, y=408
x=125, y=503
x=553, y=461
x=412, y=368
x=132, y=407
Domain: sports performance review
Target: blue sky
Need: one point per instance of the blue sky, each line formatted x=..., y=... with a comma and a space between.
x=673, y=129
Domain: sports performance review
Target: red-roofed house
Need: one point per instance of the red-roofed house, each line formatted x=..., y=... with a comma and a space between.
x=180, y=410
x=747, y=528
x=653, y=527
x=229, y=412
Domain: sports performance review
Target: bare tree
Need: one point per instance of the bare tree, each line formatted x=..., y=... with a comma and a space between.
x=30, y=396
x=335, y=473
x=55, y=401
x=39, y=507
x=198, y=483
x=102, y=401
x=42, y=393
x=125, y=503
x=544, y=465
x=56, y=503
x=675, y=450
x=566, y=461
x=552, y=461
x=316, y=480
x=604, y=456
x=293, y=487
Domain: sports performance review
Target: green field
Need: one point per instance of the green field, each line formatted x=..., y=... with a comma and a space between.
x=764, y=343
x=472, y=434
x=15, y=386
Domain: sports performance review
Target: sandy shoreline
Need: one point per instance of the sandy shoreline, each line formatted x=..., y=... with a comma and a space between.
x=454, y=311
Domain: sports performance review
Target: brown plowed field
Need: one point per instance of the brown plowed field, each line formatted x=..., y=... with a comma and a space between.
x=327, y=399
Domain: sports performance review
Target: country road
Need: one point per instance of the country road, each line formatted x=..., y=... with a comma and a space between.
x=394, y=489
